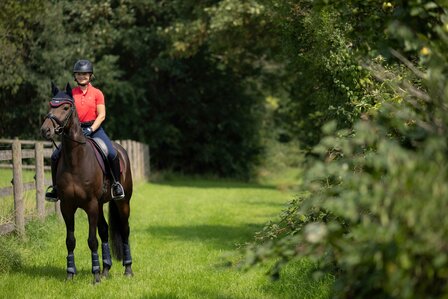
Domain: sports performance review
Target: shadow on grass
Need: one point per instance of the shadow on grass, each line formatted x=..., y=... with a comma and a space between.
x=203, y=183
x=41, y=271
x=268, y=203
x=220, y=236
x=196, y=294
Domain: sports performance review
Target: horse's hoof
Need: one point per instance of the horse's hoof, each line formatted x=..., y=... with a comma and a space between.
x=70, y=276
x=128, y=271
x=105, y=273
x=96, y=278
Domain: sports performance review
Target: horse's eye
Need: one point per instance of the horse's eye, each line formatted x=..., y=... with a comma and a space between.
x=66, y=108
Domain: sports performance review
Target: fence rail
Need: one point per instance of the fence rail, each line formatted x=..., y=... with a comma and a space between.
x=138, y=155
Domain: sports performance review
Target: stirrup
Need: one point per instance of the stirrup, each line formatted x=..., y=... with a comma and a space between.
x=51, y=196
x=114, y=195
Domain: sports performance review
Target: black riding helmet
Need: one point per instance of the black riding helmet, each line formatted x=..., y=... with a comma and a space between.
x=83, y=66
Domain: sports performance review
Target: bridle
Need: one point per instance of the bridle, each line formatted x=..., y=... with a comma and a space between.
x=59, y=125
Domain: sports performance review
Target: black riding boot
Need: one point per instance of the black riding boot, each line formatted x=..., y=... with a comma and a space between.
x=117, y=189
x=52, y=195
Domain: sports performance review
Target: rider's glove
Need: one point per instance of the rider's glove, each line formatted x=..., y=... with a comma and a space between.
x=87, y=131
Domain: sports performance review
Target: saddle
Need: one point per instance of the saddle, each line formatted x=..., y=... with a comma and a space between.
x=101, y=153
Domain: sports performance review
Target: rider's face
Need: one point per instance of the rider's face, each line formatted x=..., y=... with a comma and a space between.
x=82, y=78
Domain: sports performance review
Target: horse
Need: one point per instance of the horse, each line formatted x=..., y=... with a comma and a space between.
x=82, y=183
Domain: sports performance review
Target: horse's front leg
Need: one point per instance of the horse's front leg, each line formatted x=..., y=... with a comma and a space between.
x=103, y=231
x=92, y=213
x=70, y=241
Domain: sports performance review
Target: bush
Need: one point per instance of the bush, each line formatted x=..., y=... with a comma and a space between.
x=373, y=215
x=373, y=208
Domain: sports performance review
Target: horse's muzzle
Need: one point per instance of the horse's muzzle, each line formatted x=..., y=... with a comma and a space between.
x=47, y=132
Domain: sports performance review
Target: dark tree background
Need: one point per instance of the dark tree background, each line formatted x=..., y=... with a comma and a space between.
x=207, y=84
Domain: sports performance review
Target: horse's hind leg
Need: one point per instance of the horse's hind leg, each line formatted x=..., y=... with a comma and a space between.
x=103, y=231
x=125, y=231
x=127, y=259
x=124, y=210
x=119, y=229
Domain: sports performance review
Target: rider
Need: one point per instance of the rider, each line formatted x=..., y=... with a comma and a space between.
x=91, y=109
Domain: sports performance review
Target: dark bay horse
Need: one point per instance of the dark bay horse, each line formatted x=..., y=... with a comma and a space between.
x=81, y=183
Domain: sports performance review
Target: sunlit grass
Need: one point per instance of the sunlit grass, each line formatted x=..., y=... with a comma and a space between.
x=182, y=235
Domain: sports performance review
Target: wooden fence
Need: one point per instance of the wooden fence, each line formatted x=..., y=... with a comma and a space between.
x=34, y=153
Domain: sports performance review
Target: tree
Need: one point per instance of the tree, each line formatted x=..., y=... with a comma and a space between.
x=32, y=51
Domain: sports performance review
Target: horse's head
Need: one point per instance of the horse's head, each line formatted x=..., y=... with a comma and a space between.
x=62, y=107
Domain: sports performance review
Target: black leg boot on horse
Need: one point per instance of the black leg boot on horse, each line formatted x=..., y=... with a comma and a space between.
x=116, y=188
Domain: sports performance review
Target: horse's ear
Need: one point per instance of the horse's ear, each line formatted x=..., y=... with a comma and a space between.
x=54, y=89
x=68, y=89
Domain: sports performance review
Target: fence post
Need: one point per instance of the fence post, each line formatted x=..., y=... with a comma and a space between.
x=19, y=208
x=133, y=160
x=131, y=157
x=140, y=161
x=135, y=147
x=147, y=157
x=129, y=150
x=139, y=157
x=40, y=180
x=135, y=154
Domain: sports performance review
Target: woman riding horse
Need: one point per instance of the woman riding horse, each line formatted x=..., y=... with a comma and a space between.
x=82, y=183
x=90, y=105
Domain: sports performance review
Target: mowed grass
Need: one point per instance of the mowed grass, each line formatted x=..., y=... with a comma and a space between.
x=183, y=233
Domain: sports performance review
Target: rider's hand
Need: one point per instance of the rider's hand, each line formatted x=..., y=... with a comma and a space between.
x=87, y=131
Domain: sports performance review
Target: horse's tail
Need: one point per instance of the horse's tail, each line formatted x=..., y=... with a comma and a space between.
x=115, y=231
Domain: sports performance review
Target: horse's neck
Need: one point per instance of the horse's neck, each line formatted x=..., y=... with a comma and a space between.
x=74, y=146
x=72, y=151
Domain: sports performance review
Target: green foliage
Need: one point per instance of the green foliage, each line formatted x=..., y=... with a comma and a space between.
x=25, y=30
x=371, y=211
x=372, y=215
x=324, y=80
x=166, y=79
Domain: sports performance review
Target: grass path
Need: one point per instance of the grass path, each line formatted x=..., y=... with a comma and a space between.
x=181, y=234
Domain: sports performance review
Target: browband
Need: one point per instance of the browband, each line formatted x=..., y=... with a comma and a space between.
x=55, y=102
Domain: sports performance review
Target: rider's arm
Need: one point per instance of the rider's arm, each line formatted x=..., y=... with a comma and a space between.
x=101, y=110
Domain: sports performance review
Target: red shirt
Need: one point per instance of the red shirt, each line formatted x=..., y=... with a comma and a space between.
x=86, y=103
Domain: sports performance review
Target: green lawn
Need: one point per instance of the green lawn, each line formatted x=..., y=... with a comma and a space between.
x=183, y=232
